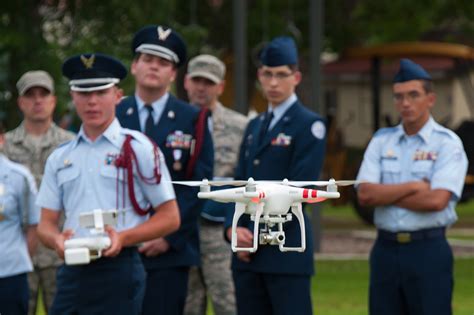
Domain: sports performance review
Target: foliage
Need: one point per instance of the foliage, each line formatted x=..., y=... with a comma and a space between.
x=39, y=34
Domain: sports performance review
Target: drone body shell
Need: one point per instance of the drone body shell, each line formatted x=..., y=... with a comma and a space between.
x=277, y=198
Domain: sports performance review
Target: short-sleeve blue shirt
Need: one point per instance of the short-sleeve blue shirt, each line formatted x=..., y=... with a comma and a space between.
x=81, y=176
x=435, y=154
x=17, y=205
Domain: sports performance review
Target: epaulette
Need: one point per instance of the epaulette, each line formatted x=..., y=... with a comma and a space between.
x=137, y=136
x=64, y=143
x=24, y=172
x=385, y=131
x=448, y=132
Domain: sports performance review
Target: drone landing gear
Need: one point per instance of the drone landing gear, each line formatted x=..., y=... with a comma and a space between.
x=297, y=210
x=239, y=210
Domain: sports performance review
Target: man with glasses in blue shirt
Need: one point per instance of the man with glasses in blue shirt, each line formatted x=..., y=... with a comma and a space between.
x=414, y=175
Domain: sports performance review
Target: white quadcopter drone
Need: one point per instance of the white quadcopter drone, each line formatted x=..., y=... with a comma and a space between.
x=268, y=202
x=80, y=251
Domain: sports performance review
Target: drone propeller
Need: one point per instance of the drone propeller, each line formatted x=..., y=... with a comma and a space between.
x=206, y=182
x=323, y=183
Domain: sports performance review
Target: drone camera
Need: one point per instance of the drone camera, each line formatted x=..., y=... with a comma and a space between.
x=272, y=238
x=280, y=238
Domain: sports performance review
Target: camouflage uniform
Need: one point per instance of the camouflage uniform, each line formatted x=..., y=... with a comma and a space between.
x=22, y=148
x=214, y=277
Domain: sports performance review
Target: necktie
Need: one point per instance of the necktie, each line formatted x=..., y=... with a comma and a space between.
x=265, y=124
x=149, y=123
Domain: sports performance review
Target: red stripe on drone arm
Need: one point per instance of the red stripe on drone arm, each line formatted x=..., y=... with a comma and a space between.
x=305, y=193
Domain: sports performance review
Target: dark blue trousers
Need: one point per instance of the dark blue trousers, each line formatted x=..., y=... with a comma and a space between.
x=414, y=278
x=272, y=294
x=14, y=295
x=166, y=291
x=105, y=286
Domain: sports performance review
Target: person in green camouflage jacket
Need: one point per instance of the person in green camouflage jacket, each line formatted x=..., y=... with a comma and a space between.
x=30, y=144
x=204, y=83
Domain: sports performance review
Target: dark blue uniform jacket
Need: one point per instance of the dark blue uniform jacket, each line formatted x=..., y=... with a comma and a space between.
x=301, y=159
x=177, y=116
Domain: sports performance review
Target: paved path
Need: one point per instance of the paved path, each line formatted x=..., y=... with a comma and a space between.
x=356, y=244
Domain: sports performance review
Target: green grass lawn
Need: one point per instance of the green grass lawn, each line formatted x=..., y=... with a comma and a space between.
x=340, y=287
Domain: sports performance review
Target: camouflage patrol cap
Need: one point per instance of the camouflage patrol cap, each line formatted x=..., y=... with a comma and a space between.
x=31, y=79
x=208, y=67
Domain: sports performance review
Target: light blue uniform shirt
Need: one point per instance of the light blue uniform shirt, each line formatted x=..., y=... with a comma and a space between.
x=281, y=109
x=435, y=153
x=17, y=205
x=80, y=176
x=158, y=107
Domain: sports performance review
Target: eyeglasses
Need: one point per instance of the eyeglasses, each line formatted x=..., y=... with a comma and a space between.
x=411, y=96
x=279, y=76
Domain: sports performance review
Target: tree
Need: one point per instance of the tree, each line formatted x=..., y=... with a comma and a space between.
x=40, y=34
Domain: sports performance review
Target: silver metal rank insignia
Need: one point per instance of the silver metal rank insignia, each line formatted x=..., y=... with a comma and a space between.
x=162, y=34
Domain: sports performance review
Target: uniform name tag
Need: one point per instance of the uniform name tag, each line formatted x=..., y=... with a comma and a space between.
x=389, y=155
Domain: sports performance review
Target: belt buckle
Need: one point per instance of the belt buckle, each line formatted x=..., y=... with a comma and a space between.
x=403, y=237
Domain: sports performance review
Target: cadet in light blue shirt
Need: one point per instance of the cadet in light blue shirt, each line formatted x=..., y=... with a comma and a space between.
x=415, y=175
x=104, y=167
x=18, y=220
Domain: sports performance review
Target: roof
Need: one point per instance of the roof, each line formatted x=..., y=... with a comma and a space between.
x=433, y=56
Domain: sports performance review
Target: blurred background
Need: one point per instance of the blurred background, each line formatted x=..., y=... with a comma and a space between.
x=349, y=51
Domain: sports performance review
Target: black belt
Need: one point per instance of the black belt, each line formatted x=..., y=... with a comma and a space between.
x=208, y=222
x=409, y=236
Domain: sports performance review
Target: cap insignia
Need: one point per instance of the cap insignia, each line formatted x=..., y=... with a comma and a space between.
x=88, y=62
x=162, y=34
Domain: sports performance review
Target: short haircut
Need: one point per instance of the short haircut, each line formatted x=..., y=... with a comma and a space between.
x=428, y=86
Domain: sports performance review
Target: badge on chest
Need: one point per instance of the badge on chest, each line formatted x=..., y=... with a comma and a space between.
x=179, y=141
x=110, y=158
x=425, y=155
x=282, y=140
